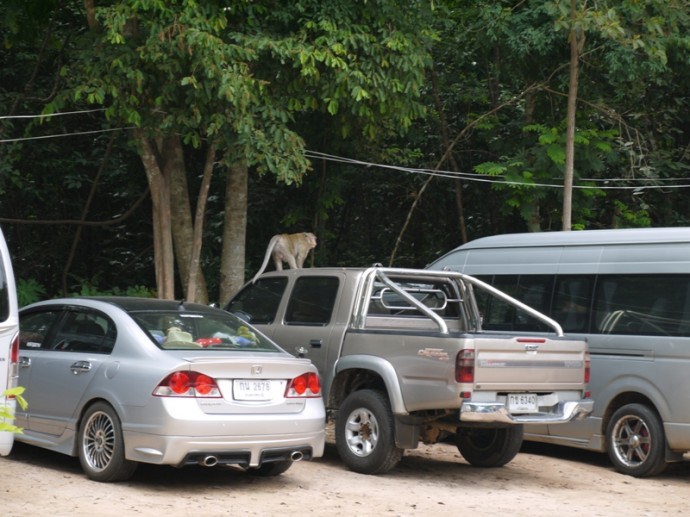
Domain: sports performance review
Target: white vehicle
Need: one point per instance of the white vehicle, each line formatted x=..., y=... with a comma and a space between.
x=627, y=292
x=9, y=341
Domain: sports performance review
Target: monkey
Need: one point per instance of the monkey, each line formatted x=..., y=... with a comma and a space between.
x=291, y=248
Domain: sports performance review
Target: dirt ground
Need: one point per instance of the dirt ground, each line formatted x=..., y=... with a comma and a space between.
x=430, y=481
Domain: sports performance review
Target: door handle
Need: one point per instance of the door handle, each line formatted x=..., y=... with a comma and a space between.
x=24, y=362
x=315, y=343
x=80, y=366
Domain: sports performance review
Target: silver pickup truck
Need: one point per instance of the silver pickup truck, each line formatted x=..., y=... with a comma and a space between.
x=403, y=359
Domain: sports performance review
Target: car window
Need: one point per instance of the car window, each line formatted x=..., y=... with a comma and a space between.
x=175, y=330
x=85, y=331
x=312, y=300
x=35, y=327
x=258, y=302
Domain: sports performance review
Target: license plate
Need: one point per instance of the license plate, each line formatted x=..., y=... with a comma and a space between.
x=522, y=403
x=247, y=389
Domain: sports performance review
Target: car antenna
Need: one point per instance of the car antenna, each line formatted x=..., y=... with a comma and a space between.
x=180, y=306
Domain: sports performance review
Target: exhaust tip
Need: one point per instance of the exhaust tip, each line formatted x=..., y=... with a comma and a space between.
x=296, y=455
x=209, y=461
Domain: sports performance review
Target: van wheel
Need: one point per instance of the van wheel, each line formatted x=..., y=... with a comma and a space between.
x=489, y=448
x=101, y=446
x=364, y=434
x=635, y=441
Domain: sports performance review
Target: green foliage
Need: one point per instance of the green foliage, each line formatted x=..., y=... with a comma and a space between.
x=6, y=414
x=29, y=290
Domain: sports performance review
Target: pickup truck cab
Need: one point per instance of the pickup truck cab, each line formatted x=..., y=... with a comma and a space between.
x=403, y=359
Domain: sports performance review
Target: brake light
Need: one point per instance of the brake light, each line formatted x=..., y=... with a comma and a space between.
x=14, y=363
x=188, y=384
x=464, y=366
x=307, y=385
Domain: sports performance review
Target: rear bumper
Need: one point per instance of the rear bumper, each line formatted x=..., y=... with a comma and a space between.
x=496, y=412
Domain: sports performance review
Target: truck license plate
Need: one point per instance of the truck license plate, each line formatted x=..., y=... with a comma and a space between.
x=246, y=389
x=522, y=403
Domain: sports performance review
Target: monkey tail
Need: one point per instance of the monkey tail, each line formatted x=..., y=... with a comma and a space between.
x=269, y=250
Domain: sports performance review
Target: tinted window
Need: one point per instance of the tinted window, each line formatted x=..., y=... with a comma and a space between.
x=312, y=300
x=4, y=295
x=35, y=328
x=572, y=302
x=258, y=302
x=643, y=305
x=85, y=331
x=439, y=296
x=532, y=290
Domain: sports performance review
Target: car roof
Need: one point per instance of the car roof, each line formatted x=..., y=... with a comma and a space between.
x=132, y=303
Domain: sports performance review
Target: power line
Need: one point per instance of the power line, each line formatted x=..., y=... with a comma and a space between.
x=95, y=131
x=4, y=117
x=483, y=178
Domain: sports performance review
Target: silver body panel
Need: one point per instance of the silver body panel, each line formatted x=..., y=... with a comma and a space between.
x=647, y=367
x=61, y=384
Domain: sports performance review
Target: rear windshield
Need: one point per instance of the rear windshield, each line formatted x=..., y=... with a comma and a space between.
x=199, y=331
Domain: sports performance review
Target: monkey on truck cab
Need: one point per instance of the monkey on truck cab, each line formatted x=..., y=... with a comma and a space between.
x=292, y=248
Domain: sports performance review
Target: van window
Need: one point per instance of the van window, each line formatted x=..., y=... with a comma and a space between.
x=532, y=290
x=651, y=305
x=4, y=294
x=572, y=302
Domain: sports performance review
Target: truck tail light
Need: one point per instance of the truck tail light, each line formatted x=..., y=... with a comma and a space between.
x=306, y=385
x=464, y=366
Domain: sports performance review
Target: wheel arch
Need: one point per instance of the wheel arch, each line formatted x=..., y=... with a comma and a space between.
x=80, y=418
x=623, y=399
x=359, y=372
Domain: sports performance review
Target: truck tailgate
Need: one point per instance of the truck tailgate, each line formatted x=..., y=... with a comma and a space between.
x=528, y=364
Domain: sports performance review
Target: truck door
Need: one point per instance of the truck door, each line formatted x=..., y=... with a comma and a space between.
x=310, y=327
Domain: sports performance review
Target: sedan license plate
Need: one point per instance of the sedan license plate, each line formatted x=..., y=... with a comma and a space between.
x=250, y=389
x=522, y=403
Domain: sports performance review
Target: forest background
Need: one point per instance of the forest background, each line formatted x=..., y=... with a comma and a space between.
x=154, y=147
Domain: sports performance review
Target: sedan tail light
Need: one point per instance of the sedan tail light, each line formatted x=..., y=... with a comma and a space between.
x=307, y=385
x=188, y=384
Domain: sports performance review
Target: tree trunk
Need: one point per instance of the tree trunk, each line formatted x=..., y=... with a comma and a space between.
x=195, y=274
x=577, y=39
x=234, y=232
x=160, y=198
x=182, y=224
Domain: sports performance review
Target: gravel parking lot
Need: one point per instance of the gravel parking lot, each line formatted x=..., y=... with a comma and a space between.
x=430, y=481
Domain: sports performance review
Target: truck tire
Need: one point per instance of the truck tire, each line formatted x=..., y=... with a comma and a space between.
x=364, y=433
x=489, y=448
x=635, y=441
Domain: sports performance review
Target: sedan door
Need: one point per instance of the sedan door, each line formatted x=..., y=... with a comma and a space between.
x=60, y=371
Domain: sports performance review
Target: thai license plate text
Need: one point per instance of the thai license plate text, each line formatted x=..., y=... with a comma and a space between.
x=522, y=403
x=247, y=389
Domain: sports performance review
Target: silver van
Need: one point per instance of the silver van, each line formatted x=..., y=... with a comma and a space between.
x=628, y=293
x=9, y=341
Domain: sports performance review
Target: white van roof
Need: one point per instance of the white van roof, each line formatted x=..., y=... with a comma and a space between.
x=580, y=238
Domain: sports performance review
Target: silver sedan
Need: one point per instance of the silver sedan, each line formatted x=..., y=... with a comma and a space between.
x=117, y=381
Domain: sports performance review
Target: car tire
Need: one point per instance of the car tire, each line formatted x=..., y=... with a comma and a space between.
x=635, y=441
x=489, y=448
x=101, y=446
x=275, y=468
x=364, y=433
